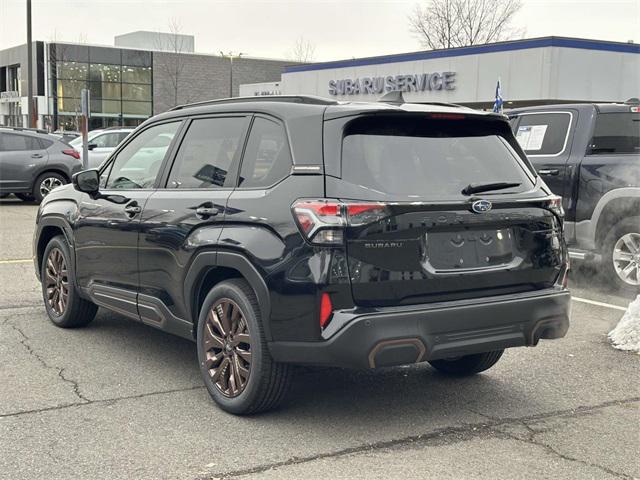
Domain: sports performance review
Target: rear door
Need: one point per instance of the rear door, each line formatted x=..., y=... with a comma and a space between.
x=422, y=239
x=21, y=157
x=185, y=216
x=546, y=138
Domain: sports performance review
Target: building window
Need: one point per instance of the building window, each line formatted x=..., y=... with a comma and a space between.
x=136, y=74
x=136, y=108
x=104, y=73
x=110, y=91
x=132, y=91
x=72, y=70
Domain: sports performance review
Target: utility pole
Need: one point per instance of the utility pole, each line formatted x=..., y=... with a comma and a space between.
x=30, y=116
x=231, y=56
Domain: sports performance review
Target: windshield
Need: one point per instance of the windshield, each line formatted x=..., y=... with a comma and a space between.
x=416, y=158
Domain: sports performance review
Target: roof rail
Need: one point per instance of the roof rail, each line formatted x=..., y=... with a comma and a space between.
x=307, y=99
x=25, y=129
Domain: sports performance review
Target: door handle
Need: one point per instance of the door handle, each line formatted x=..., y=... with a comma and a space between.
x=132, y=209
x=553, y=171
x=204, y=211
x=37, y=155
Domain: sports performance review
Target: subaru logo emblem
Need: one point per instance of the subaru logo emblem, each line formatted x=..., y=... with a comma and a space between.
x=481, y=206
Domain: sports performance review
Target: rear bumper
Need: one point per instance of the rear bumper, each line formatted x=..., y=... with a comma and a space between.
x=403, y=335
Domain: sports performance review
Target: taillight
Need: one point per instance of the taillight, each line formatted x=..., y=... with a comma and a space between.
x=322, y=222
x=326, y=309
x=72, y=153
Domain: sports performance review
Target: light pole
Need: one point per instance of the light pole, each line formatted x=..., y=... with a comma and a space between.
x=29, y=69
x=231, y=56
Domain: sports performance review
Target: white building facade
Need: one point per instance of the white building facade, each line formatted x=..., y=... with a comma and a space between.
x=537, y=71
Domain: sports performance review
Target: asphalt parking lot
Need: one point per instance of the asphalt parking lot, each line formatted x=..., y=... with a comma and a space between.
x=122, y=400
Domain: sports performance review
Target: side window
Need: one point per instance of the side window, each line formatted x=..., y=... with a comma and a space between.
x=616, y=133
x=207, y=152
x=138, y=163
x=543, y=133
x=45, y=143
x=12, y=142
x=107, y=140
x=267, y=158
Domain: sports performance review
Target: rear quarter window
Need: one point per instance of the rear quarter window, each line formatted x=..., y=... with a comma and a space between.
x=543, y=133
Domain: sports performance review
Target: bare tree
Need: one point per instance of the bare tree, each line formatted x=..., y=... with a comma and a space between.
x=172, y=64
x=303, y=51
x=458, y=23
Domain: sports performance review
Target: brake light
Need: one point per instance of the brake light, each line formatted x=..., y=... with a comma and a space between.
x=326, y=309
x=322, y=222
x=71, y=152
x=448, y=116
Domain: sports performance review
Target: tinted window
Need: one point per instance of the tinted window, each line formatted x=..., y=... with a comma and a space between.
x=138, y=163
x=616, y=133
x=267, y=158
x=417, y=159
x=206, y=153
x=544, y=133
x=11, y=142
x=46, y=143
x=108, y=140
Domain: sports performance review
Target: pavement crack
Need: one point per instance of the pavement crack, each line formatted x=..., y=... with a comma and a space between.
x=468, y=430
x=24, y=341
x=531, y=439
x=105, y=401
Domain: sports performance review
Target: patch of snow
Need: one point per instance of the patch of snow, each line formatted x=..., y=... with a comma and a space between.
x=626, y=335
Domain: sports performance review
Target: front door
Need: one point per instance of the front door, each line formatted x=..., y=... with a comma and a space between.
x=185, y=217
x=108, y=224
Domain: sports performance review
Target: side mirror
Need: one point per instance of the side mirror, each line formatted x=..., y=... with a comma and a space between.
x=91, y=146
x=87, y=181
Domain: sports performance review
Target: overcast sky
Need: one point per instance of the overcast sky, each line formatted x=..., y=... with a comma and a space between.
x=268, y=28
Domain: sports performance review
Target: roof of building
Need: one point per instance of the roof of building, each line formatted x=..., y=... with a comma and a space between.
x=564, y=42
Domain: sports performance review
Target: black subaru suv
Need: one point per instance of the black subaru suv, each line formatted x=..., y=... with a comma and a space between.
x=298, y=230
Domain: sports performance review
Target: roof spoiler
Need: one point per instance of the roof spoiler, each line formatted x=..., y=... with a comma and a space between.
x=394, y=96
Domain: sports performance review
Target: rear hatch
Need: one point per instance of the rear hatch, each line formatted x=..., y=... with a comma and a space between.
x=423, y=222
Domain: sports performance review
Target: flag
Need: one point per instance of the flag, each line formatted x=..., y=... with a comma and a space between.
x=497, y=106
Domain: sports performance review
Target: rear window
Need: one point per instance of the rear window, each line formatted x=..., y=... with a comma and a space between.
x=616, y=133
x=415, y=158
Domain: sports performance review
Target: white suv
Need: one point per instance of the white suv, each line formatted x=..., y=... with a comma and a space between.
x=101, y=143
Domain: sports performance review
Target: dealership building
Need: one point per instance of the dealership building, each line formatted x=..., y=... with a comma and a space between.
x=532, y=72
x=144, y=73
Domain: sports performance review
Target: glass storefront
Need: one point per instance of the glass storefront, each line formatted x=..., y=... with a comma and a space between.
x=120, y=82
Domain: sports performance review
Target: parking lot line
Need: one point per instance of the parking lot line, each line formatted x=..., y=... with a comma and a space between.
x=17, y=260
x=600, y=304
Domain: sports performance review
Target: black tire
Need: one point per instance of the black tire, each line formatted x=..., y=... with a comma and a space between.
x=45, y=183
x=267, y=382
x=629, y=227
x=469, y=364
x=25, y=197
x=77, y=312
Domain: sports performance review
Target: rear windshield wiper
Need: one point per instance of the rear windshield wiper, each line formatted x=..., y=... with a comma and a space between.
x=487, y=187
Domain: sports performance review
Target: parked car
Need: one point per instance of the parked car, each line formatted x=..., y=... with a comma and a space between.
x=32, y=164
x=590, y=155
x=66, y=135
x=101, y=143
x=298, y=230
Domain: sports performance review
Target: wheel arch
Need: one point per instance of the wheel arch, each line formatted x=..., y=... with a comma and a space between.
x=49, y=227
x=46, y=169
x=209, y=268
x=613, y=211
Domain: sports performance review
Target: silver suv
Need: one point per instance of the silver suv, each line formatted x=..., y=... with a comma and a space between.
x=32, y=164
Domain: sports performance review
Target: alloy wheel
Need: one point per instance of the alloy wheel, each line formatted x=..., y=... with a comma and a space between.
x=56, y=281
x=49, y=184
x=227, y=347
x=626, y=258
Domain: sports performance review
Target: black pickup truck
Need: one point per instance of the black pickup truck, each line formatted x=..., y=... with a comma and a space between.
x=589, y=154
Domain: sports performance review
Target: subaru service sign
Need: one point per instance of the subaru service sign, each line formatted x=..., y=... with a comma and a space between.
x=419, y=82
